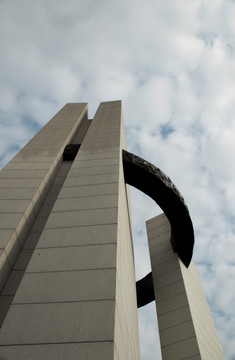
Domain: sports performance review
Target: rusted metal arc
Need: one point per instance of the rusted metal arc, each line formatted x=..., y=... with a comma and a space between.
x=153, y=182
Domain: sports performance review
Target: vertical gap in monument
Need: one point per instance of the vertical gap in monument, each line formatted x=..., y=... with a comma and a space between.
x=31, y=240
x=147, y=315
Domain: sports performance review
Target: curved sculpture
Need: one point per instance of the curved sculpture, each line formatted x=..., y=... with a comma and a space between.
x=153, y=182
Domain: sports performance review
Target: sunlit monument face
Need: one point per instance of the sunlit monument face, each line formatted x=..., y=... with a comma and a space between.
x=68, y=285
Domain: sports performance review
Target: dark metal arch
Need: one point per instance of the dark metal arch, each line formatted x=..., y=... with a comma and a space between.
x=153, y=182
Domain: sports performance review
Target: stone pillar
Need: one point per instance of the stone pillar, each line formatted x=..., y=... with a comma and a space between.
x=77, y=297
x=185, y=323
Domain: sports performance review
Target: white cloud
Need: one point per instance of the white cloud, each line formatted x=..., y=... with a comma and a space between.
x=172, y=63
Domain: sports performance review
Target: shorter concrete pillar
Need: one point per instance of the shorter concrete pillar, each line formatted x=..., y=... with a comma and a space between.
x=186, y=327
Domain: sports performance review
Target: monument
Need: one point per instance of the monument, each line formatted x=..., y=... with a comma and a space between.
x=67, y=278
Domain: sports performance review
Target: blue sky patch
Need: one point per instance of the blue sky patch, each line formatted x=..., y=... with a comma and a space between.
x=165, y=130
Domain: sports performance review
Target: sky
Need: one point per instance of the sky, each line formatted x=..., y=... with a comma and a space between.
x=172, y=63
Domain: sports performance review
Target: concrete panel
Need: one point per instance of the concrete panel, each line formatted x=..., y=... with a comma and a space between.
x=160, y=237
x=175, y=302
x=163, y=257
x=95, y=163
x=10, y=221
x=12, y=249
x=155, y=231
x=23, y=260
x=82, y=218
x=165, y=267
x=5, y=236
x=160, y=248
x=59, y=323
x=89, y=190
x=31, y=240
x=177, y=333
x=12, y=283
x=170, y=290
x=22, y=230
x=74, y=236
x=81, y=351
x=39, y=224
x=17, y=194
x=20, y=183
x=4, y=268
x=93, y=155
x=24, y=157
x=174, y=318
x=167, y=279
x=24, y=165
x=181, y=350
x=67, y=286
x=73, y=258
x=45, y=210
x=22, y=174
x=91, y=171
x=85, y=203
x=90, y=180
x=5, y=302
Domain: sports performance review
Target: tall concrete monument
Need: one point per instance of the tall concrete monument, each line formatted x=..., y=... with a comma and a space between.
x=67, y=278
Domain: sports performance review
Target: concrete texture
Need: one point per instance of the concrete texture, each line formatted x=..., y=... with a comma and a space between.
x=185, y=324
x=79, y=285
x=91, y=350
x=27, y=177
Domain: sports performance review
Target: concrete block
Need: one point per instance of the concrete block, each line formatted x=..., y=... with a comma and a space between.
x=31, y=240
x=85, y=154
x=88, y=190
x=12, y=249
x=12, y=282
x=17, y=194
x=82, y=351
x=156, y=231
x=59, y=180
x=4, y=268
x=37, y=202
x=59, y=323
x=23, y=174
x=85, y=203
x=73, y=258
x=5, y=236
x=5, y=302
x=22, y=230
x=163, y=257
x=155, y=238
x=174, y=318
x=91, y=171
x=30, y=214
x=170, y=290
x=23, y=158
x=25, y=165
x=161, y=248
x=83, y=285
x=95, y=163
x=167, y=279
x=13, y=206
x=165, y=267
x=20, y=183
x=184, y=349
x=39, y=224
x=45, y=210
x=23, y=259
x=75, y=236
x=82, y=218
x=172, y=303
x=10, y=221
x=91, y=180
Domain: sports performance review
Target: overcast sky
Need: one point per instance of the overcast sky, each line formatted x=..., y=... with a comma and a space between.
x=172, y=63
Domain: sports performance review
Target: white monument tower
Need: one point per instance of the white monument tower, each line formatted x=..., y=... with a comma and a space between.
x=67, y=277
